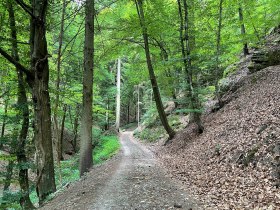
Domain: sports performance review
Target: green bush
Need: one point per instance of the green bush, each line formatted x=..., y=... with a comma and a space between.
x=150, y=134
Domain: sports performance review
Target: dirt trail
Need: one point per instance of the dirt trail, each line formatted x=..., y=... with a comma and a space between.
x=131, y=180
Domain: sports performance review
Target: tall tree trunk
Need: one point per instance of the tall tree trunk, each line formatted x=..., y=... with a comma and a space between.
x=55, y=115
x=243, y=31
x=163, y=118
x=4, y=123
x=186, y=54
x=45, y=184
x=23, y=114
x=118, y=98
x=86, y=122
x=218, y=52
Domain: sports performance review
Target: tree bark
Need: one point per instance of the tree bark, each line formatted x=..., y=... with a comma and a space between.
x=86, y=122
x=75, y=129
x=45, y=184
x=118, y=98
x=23, y=114
x=163, y=118
x=243, y=31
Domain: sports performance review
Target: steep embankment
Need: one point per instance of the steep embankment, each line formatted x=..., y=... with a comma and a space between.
x=233, y=164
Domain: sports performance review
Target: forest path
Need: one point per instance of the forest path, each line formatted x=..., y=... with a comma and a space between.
x=131, y=180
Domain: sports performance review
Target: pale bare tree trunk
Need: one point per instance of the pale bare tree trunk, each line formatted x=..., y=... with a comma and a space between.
x=107, y=114
x=138, y=105
x=162, y=115
x=4, y=122
x=118, y=98
x=86, y=122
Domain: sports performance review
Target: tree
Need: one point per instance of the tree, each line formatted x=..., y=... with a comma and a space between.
x=218, y=52
x=23, y=112
x=40, y=93
x=162, y=115
x=38, y=80
x=59, y=55
x=86, y=121
x=118, y=98
x=243, y=31
x=187, y=45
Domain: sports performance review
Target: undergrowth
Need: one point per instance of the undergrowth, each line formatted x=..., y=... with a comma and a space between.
x=107, y=146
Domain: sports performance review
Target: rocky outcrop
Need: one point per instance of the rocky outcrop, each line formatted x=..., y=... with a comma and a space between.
x=267, y=55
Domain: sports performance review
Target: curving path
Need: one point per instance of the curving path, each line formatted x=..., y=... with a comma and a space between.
x=132, y=180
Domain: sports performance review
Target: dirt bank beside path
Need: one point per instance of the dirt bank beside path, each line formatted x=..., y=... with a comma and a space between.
x=131, y=180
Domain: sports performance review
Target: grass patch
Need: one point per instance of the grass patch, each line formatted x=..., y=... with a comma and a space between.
x=106, y=148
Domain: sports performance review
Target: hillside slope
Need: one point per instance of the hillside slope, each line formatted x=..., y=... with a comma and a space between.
x=234, y=164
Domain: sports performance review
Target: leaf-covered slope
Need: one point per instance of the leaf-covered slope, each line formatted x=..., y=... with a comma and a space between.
x=233, y=164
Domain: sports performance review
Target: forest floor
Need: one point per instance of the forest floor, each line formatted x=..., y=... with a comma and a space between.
x=234, y=164
x=132, y=179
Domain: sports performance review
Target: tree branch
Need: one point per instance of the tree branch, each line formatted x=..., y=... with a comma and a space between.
x=17, y=64
x=26, y=8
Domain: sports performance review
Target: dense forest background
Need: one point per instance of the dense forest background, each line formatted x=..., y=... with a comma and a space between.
x=190, y=46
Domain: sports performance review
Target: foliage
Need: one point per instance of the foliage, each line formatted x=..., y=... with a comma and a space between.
x=107, y=146
x=150, y=134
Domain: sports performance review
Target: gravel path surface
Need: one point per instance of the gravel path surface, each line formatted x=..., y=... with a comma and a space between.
x=131, y=180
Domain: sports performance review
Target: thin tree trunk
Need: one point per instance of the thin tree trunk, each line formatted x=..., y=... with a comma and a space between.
x=56, y=104
x=218, y=52
x=163, y=118
x=118, y=98
x=62, y=132
x=45, y=183
x=138, y=105
x=4, y=123
x=186, y=54
x=23, y=114
x=243, y=31
x=128, y=118
x=75, y=129
x=107, y=114
x=86, y=122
